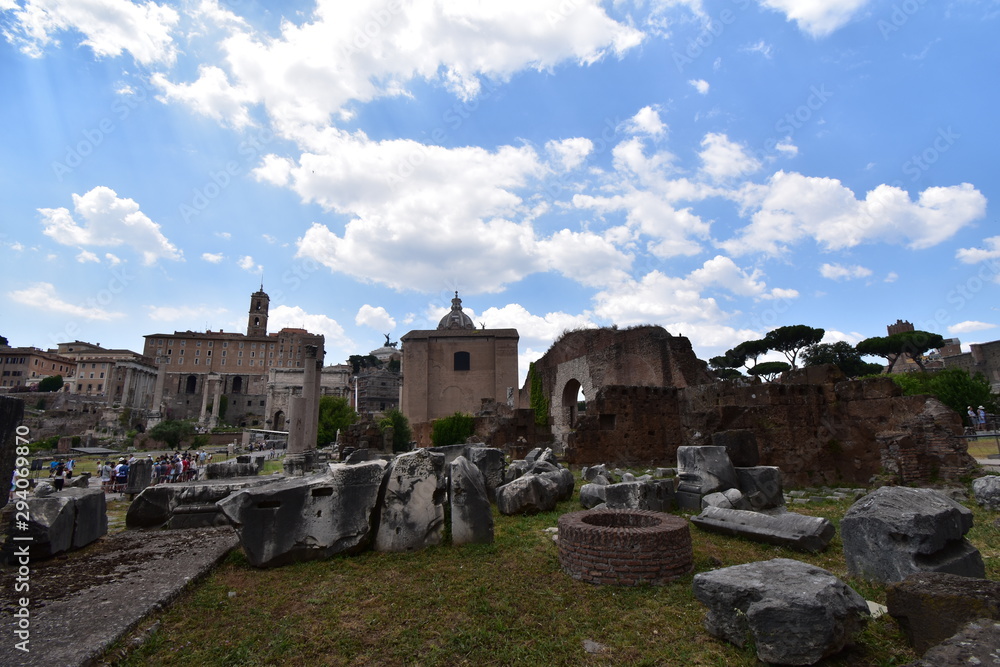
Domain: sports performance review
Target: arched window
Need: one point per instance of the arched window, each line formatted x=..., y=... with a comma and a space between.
x=192, y=383
x=237, y=385
x=462, y=362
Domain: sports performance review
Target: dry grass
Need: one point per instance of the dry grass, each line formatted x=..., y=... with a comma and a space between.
x=983, y=447
x=501, y=604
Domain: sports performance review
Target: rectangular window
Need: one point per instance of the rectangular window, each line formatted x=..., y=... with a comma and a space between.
x=196, y=361
x=102, y=375
x=197, y=353
x=239, y=362
x=223, y=362
x=183, y=343
x=198, y=343
x=209, y=353
x=225, y=343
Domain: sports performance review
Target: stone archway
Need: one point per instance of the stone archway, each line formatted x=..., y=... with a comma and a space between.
x=278, y=422
x=570, y=402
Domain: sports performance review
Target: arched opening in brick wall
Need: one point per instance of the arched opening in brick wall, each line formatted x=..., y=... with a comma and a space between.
x=573, y=402
x=278, y=421
x=191, y=384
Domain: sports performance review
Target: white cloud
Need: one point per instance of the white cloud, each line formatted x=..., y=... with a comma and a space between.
x=212, y=257
x=43, y=297
x=357, y=52
x=107, y=221
x=969, y=326
x=375, y=317
x=211, y=94
x=87, y=256
x=839, y=272
x=700, y=85
x=338, y=346
x=723, y=272
x=540, y=330
x=108, y=27
x=761, y=47
x=787, y=147
x=247, y=264
x=791, y=207
x=891, y=277
x=647, y=121
x=113, y=260
x=724, y=159
x=570, y=153
x=976, y=255
x=584, y=257
x=817, y=17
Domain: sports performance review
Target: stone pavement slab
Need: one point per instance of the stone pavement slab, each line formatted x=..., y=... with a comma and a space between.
x=82, y=603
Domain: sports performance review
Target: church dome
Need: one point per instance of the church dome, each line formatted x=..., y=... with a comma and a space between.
x=456, y=319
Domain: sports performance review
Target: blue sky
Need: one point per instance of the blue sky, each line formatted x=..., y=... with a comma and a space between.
x=717, y=167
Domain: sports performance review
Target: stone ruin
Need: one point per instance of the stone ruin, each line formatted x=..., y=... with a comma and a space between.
x=393, y=505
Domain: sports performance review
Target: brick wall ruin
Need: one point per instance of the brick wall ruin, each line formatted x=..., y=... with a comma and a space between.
x=816, y=428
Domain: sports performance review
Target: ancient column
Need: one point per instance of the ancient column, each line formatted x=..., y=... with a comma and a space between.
x=303, y=419
x=157, y=404
x=203, y=418
x=213, y=421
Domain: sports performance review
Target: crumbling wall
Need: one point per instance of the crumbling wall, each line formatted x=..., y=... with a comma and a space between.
x=11, y=414
x=826, y=433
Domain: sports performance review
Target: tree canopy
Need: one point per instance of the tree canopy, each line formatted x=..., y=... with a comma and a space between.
x=768, y=370
x=51, y=383
x=360, y=361
x=452, y=430
x=335, y=414
x=911, y=344
x=952, y=386
x=842, y=355
x=789, y=340
x=401, y=431
x=172, y=431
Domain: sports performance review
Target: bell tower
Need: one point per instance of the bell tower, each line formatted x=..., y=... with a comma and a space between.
x=257, y=320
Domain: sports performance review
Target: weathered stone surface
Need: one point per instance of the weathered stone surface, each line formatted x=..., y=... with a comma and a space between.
x=471, y=511
x=977, y=644
x=930, y=607
x=795, y=531
x=44, y=489
x=705, y=469
x=449, y=452
x=896, y=531
x=740, y=444
x=162, y=504
x=528, y=494
x=795, y=613
x=987, y=491
x=140, y=474
x=412, y=515
x=516, y=469
x=592, y=495
x=11, y=414
x=565, y=482
x=492, y=464
x=307, y=518
x=761, y=486
x=657, y=496
x=81, y=481
x=247, y=467
x=90, y=521
x=731, y=499
x=590, y=472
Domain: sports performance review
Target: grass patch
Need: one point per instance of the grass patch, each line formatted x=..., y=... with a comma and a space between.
x=500, y=604
x=983, y=447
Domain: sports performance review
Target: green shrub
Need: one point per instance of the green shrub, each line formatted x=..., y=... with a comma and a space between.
x=452, y=430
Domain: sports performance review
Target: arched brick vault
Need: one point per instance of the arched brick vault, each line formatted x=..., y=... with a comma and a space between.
x=645, y=356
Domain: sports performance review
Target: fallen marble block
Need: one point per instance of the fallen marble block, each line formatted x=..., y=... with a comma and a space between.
x=795, y=531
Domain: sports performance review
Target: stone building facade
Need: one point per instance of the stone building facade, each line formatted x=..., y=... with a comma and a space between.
x=454, y=368
x=197, y=368
x=284, y=383
x=22, y=367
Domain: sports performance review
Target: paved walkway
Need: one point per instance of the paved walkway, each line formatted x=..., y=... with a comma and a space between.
x=113, y=585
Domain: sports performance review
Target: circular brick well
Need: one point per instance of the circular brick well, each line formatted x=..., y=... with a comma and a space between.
x=624, y=547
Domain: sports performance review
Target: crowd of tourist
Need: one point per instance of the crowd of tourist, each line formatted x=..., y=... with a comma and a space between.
x=166, y=468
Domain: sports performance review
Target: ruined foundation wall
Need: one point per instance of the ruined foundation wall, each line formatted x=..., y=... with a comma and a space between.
x=829, y=433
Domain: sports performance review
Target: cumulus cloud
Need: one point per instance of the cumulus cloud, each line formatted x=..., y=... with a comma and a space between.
x=700, y=85
x=969, y=326
x=724, y=159
x=247, y=264
x=108, y=27
x=43, y=297
x=336, y=341
x=211, y=94
x=105, y=220
x=817, y=17
x=839, y=272
x=375, y=317
x=647, y=121
x=87, y=256
x=976, y=255
x=379, y=51
x=791, y=207
x=570, y=153
x=213, y=257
